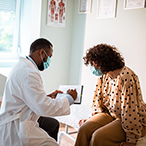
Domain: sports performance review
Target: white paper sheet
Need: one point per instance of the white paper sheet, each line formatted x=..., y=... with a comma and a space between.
x=64, y=88
x=106, y=8
x=133, y=4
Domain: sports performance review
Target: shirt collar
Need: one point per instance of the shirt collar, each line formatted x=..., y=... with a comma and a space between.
x=32, y=61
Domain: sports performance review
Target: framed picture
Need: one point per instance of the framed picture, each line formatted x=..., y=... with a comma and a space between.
x=84, y=6
x=56, y=13
x=134, y=4
x=106, y=8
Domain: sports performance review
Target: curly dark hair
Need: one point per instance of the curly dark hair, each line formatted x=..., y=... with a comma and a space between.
x=105, y=56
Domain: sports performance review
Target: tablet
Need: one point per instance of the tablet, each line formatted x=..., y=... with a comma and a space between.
x=79, y=89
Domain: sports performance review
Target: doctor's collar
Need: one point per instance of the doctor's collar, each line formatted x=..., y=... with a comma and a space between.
x=29, y=58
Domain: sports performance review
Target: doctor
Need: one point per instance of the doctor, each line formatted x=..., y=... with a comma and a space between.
x=25, y=100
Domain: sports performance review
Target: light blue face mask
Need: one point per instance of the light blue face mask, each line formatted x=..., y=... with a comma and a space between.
x=47, y=63
x=97, y=72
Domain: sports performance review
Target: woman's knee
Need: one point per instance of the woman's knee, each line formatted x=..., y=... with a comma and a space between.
x=83, y=129
x=97, y=136
x=86, y=129
x=105, y=134
x=98, y=139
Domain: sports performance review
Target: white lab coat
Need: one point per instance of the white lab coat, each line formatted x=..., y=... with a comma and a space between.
x=24, y=101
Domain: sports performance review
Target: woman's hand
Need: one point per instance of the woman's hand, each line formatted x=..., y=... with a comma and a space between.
x=127, y=144
x=82, y=121
x=53, y=94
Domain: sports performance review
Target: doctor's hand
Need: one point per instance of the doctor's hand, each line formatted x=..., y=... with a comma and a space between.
x=53, y=94
x=72, y=93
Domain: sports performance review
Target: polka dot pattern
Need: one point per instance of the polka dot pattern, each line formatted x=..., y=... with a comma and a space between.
x=122, y=98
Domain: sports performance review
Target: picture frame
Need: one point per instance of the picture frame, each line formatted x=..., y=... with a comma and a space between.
x=106, y=9
x=56, y=16
x=134, y=4
x=84, y=6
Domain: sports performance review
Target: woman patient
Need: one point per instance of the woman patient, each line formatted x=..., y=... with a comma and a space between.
x=119, y=112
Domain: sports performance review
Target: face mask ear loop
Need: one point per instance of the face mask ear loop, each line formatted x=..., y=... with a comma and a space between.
x=41, y=58
x=46, y=53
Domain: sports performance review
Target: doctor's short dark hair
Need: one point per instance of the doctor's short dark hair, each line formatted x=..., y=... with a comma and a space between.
x=39, y=44
x=105, y=56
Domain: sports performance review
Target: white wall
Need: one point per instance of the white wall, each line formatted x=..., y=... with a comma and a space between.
x=127, y=32
x=58, y=72
x=78, y=36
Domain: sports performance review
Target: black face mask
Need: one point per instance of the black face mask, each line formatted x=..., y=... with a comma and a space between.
x=41, y=67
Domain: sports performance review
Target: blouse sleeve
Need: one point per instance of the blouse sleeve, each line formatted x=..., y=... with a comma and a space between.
x=131, y=120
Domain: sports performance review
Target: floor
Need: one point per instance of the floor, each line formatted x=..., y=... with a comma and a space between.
x=65, y=141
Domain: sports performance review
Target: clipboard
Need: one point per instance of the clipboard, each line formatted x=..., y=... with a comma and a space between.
x=79, y=89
